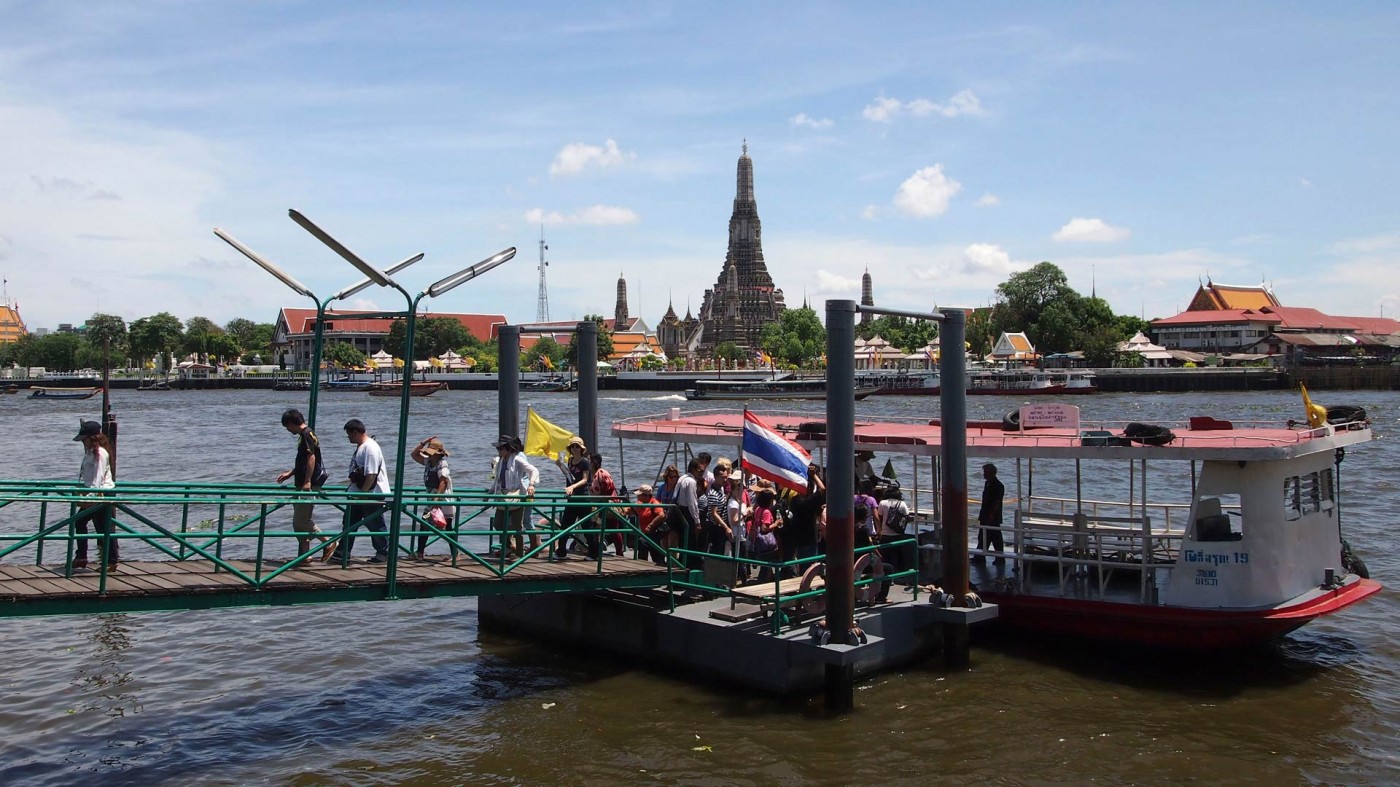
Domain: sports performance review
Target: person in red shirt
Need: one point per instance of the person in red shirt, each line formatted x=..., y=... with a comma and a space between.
x=602, y=490
x=650, y=517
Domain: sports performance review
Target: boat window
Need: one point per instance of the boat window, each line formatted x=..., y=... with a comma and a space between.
x=1218, y=518
x=1307, y=494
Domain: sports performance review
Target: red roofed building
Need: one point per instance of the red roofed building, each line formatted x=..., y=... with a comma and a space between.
x=295, y=331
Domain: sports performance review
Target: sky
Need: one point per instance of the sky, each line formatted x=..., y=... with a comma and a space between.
x=1142, y=148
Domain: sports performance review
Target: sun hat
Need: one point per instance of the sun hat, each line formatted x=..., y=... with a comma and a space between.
x=434, y=447
x=577, y=441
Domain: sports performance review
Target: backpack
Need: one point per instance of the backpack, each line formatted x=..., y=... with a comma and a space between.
x=897, y=517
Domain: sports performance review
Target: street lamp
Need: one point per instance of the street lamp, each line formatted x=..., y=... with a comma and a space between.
x=437, y=288
x=321, y=306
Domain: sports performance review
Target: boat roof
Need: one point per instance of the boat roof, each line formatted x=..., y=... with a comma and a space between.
x=1238, y=442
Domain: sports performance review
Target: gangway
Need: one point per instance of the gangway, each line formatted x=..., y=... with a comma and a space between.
x=187, y=546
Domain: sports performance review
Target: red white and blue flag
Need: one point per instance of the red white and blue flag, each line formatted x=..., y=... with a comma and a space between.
x=769, y=455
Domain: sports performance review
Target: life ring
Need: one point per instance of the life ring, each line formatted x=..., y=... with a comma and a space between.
x=1345, y=414
x=815, y=605
x=1148, y=434
x=1011, y=422
x=866, y=594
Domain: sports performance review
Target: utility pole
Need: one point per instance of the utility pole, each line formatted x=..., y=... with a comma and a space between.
x=542, y=302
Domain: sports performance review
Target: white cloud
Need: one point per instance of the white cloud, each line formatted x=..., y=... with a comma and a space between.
x=1367, y=245
x=988, y=200
x=886, y=110
x=926, y=193
x=1080, y=230
x=594, y=215
x=987, y=258
x=576, y=157
x=1305, y=183
x=870, y=213
x=835, y=284
x=802, y=119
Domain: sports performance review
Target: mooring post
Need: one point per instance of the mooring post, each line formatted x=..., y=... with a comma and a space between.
x=508, y=381
x=840, y=493
x=587, y=357
x=952, y=369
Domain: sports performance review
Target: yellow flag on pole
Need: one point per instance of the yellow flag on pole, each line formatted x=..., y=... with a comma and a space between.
x=1317, y=414
x=543, y=438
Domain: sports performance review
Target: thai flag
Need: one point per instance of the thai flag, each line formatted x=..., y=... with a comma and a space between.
x=769, y=455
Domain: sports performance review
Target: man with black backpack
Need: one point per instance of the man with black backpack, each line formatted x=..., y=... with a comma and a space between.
x=892, y=517
x=309, y=475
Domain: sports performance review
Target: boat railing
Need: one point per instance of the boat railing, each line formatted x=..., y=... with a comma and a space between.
x=1167, y=517
x=796, y=583
x=230, y=525
x=1081, y=546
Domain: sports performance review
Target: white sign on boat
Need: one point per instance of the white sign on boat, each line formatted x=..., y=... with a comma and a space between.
x=1059, y=416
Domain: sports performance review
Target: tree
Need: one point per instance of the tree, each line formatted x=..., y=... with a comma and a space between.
x=1023, y=296
x=797, y=337
x=245, y=332
x=440, y=335
x=978, y=330
x=605, y=342
x=155, y=335
x=652, y=363
x=223, y=347
x=544, y=347
x=108, y=330
x=198, y=332
x=343, y=354
x=728, y=351
x=486, y=356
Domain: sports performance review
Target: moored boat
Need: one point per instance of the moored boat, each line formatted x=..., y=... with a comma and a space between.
x=414, y=389
x=45, y=392
x=551, y=385
x=748, y=390
x=1215, y=558
x=1031, y=382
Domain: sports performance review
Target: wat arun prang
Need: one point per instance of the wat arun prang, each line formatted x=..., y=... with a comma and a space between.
x=743, y=300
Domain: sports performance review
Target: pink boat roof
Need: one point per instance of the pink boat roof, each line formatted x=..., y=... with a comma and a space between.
x=1238, y=442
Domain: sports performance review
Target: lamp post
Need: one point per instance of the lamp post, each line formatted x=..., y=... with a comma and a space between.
x=321, y=307
x=439, y=287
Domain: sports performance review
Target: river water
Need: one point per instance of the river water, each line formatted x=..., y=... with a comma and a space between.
x=378, y=693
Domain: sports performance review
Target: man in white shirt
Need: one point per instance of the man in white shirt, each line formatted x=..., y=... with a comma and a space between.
x=892, y=516
x=515, y=477
x=367, y=474
x=688, y=491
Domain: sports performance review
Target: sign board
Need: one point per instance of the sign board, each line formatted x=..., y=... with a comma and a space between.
x=1058, y=416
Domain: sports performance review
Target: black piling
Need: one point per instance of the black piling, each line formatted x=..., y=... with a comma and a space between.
x=952, y=369
x=508, y=377
x=587, y=355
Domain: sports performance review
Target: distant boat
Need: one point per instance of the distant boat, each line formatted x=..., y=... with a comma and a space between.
x=551, y=385
x=155, y=385
x=10, y=389
x=41, y=392
x=1032, y=382
x=414, y=389
x=348, y=385
x=765, y=389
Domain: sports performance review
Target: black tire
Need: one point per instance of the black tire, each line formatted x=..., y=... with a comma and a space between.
x=1148, y=434
x=1011, y=422
x=1345, y=414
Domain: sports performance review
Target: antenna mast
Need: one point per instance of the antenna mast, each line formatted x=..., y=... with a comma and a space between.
x=542, y=302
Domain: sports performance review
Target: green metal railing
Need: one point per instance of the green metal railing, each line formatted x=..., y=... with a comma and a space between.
x=224, y=523
x=784, y=570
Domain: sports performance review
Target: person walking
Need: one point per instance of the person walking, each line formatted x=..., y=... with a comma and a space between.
x=437, y=479
x=308, y=474
x=989, y=515
x=575, y=487
x=515, y=477
x=95, y=475
x=367, y=474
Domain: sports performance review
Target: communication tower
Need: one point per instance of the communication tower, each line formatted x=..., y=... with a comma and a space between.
x=542, y=302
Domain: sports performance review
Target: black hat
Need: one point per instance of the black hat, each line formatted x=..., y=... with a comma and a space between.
x=88, y=429
x=510, y=443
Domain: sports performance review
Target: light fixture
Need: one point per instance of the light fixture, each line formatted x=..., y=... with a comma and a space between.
x=375, y=275
x=282, y=275
x=461, y=277
x=363, y=283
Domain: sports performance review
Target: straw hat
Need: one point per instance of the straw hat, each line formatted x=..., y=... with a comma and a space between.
x=433, y=447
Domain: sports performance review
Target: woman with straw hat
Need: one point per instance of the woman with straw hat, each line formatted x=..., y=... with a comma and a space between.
x=437, y=479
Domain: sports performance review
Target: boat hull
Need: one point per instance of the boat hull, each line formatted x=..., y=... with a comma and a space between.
x=415, y=389
x=63, y=393
x=745, y=396
x=1052, y=390
x=1178, y=628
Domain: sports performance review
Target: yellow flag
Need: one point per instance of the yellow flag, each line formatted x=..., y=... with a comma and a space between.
x=546, y=362
x=543, y=438
x=1317, y=414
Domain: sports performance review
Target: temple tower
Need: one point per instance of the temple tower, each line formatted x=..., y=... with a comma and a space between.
x=867, y=296
x=620, y=322
x=743, y=299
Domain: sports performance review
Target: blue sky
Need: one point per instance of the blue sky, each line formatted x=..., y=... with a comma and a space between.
x=1141, y=147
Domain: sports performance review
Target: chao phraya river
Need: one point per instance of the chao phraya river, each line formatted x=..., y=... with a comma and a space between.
x=412, y=692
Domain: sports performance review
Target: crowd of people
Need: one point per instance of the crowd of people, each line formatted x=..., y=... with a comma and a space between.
x=712, y=508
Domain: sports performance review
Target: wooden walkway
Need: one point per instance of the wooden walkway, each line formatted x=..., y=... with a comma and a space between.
x=27, y=590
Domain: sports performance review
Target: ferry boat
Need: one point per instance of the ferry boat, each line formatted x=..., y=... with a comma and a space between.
x=414, y=389
x=1230, y=534
x=747, y=390
x=1032, y=382
x=551, y=385
x=43, y=392
x=900, y=383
